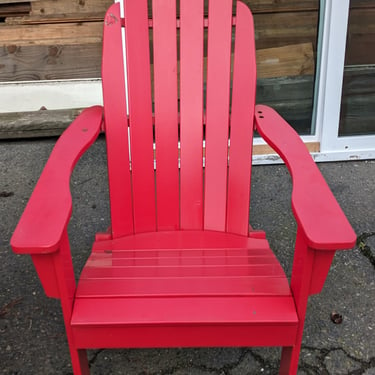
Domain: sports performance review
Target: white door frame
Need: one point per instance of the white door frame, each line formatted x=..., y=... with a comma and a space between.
x=334, y=21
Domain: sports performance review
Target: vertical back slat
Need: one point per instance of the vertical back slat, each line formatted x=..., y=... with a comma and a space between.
x=217, y=113
x=166, y=114
x=116, y=125
x=242, y=118
x=140, y=114
x=191, y=113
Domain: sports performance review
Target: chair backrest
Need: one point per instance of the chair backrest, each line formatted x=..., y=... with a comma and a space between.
x=191, y=87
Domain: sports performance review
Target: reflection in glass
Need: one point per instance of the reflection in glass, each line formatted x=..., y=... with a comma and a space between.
x=286, y=41
x=358, y=95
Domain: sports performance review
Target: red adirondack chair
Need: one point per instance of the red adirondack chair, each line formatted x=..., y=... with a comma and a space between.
x=180, y=266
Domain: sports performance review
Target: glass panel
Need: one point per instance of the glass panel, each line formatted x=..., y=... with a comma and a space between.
x=286, y=41
x=358, y=96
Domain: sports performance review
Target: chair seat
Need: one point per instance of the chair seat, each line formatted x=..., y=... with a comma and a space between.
x=183, y=279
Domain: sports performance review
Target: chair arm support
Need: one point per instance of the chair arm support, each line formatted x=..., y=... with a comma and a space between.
x=315, y=208
x=48, y=211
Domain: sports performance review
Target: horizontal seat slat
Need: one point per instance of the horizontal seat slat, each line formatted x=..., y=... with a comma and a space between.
x=175, y=253
x=187, y=263
x=176, y=286
x=167, y=336
x=184, y=310
x=183, y=239
x=183, y=271
x=161, y=261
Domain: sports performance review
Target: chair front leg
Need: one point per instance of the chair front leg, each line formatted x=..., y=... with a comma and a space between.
x=300, y=286
x=67, y=287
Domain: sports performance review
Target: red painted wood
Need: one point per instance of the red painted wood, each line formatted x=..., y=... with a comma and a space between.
x=256, y=233
x=311, y=196
x=44, y=265
x=217, y=113
x=140, y=114
x=63, y=267
x=191, y=113
x=166, y=336
x=321, y=266
x=116, y=125
x=66, y=282
x=241, y=133
x=115, y=259
x=184, y=310
x=200, y=240
x=236, y=254
x=47, y=213
x=166, y=114
x=264, y=270
x=205, y=22
x=177, y=286
x=182, y=263
x=300, y=285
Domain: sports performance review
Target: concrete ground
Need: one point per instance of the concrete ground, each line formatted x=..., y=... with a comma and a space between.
x=32, y=339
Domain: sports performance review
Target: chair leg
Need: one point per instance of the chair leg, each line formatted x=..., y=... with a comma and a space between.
x=67, y=286
x=290, y=355
x=300, y=285
x=80, y=363
x=289, y=360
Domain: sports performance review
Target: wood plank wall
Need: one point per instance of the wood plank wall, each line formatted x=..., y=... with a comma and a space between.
x=62, y=39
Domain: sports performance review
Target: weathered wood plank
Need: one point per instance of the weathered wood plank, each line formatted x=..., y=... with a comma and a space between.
x=44, y=123
x=362, y=4
x=54, y=61
x=71, y=33
x=361, y=37
x=55, y=18
x=275, y=6
x=46, y=7
x=291, y=60
x=14, y=1
x=281, y=29
x=14, y=9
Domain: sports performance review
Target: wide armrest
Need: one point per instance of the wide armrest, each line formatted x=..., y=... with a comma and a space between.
x=47, y=213
x=315, y=208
